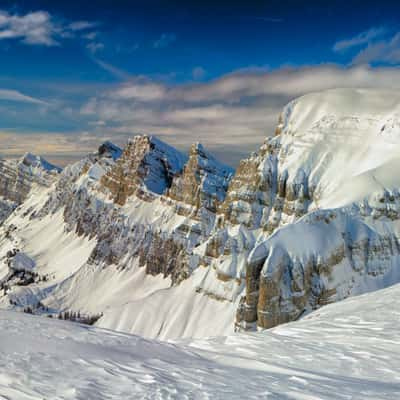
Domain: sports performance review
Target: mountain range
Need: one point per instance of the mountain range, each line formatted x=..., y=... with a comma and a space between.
x=150, y=241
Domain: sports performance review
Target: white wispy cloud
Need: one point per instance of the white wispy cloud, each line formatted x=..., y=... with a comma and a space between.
x=90, y=35
x=363, y=38
x=112, y=69
x=235, y=112
x=14, y=95
x=38, y=28
x=32, y=28
x=82, y=25
x=375, y=45
x=144, y=91
x=231, y=115
x=383, y=51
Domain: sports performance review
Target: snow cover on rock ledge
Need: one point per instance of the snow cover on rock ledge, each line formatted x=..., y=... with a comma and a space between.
x=349, y=350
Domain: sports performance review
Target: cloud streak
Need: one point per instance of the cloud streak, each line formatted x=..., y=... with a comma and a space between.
x=38, y=28
x=111, y=69
x=14, y=95
x=235, y=112
x=82, y=25
x=384, y=51
x=375, y=45
x=231, y=115
x=362, y=38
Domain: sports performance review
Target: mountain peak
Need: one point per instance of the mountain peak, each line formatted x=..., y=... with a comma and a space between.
x=204, y=180
x=147, y=165
x=110, y=149
x=34, y=161
x=197, y=149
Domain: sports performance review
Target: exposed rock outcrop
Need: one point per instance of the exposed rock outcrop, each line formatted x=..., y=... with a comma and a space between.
x=264, y=195
x=338, y=255
x=203, y=182
x=146, y=166
x=161, y=240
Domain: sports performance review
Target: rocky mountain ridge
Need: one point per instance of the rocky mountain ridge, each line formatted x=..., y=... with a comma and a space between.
x=17, y=176
x=168, y=245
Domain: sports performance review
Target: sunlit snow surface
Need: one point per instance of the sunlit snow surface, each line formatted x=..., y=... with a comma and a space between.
x=348, y=350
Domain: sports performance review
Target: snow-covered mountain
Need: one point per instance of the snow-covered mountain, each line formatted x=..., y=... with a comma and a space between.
x=17, y=178
x=347, y=350
x=166, y=245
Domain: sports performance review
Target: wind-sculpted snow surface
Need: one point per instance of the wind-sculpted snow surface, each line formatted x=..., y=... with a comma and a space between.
x=168, y=246
x=347, y=350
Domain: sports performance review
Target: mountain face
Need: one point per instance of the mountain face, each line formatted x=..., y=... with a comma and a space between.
x=167, y=245
x=146, y=166
x=203, y=182
x=17, y=177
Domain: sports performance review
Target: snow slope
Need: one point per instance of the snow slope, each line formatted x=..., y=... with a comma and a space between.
x=345, y=140
x=348, y=350
x=130, y=299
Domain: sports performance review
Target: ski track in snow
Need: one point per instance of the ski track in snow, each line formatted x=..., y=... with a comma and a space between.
x=348, y=350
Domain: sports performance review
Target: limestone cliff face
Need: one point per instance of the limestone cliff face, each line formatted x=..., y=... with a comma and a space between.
x=92, y=194
x=296, y=192
x=347, y=241
x=263, y=194
x=336, y=257
x=202, y=184
x=146, y=166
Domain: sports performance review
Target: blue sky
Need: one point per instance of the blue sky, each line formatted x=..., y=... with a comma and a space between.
x=75, y=73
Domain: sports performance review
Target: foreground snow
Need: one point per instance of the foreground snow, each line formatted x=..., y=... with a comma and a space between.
x=348, y=350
